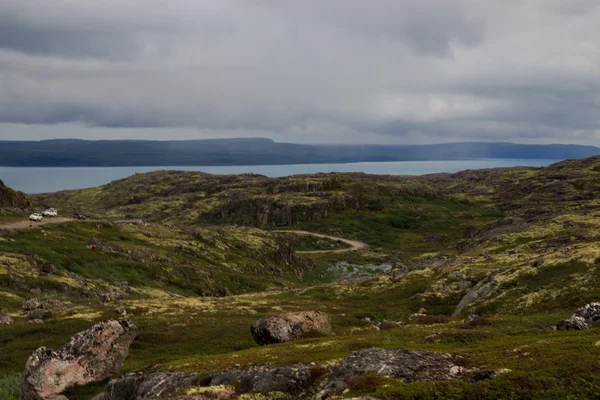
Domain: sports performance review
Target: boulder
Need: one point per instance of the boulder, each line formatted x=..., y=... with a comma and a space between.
x=31, y=304
x=48, y=268
x=6, y=319
x=288, y=327
x=572, y=324
x=89, y=356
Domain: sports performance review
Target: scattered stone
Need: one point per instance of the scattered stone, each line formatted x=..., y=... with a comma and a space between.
x=121, y=311
x=537, y=263
x=433, y=338
x=288, y=327
x=586, y=317
x=31, y=304
x=5, y=319
x=49, y=269
x=89, y=356
x=476, y=320
x=39, y=314
x=385, y=324
x=424, y=319
x=572, y=324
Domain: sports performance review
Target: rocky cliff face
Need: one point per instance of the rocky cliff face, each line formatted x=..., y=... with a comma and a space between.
x=11, y=200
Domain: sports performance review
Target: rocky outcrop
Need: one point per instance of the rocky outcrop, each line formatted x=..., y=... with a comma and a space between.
x=89, y=356
x=292, y=380
x=406, y=365
x=586, y=317
x=31, y=304
x=288, y=327
x=11, y=200
x=266, y=211
x=482, y=289
x=297, y=381
x=572, y=324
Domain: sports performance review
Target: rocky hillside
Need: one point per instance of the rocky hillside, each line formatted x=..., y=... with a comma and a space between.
x=486, y=288
x=11, y=200
x=255, y=200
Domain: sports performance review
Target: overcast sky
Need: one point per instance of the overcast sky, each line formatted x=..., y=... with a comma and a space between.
x=309, y=71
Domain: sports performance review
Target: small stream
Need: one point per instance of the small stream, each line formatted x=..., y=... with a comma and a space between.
x=344, y=270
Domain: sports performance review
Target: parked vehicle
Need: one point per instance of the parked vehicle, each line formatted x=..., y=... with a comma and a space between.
x=80, y=217
x=35, y=217
x=51, y=212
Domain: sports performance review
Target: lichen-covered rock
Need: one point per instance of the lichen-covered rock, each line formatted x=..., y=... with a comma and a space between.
x=31, y=304
x=89, y=356
x=6, y=319
x=288, y=327
x=572, y=324
x=140, y=386
x=591, y=313
x=406, y=365
x=292, y=380
x=586, y=317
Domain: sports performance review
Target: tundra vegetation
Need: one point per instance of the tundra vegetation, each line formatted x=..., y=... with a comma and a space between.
x=518, y=247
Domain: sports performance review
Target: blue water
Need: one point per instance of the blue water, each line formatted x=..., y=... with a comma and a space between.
x=43, y=180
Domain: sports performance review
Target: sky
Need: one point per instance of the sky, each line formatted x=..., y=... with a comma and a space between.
x=310, y=71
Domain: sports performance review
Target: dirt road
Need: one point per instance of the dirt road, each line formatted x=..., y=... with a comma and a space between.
x=25, y=224
x=354, y=244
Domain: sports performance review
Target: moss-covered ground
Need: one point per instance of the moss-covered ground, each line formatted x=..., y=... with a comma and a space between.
x=194, y=289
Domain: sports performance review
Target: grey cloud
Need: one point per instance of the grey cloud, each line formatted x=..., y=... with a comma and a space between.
x=302, y=71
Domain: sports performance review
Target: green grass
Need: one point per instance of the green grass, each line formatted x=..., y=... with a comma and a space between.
x=10, y=387
x=203, y=266
x=300, y=242
x=410, y=225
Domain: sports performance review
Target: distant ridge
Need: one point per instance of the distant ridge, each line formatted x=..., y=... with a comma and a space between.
x=258, y=151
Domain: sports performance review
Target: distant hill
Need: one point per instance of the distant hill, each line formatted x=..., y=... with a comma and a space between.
x=258, y=151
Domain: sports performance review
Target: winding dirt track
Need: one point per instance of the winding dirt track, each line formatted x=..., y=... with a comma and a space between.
x=354, y=244
x=26, y=224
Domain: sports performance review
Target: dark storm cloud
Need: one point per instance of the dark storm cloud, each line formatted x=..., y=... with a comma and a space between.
x=337, y=71
x=64, y=41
